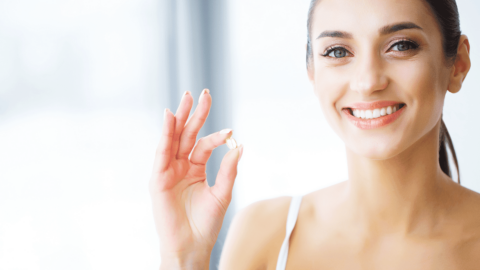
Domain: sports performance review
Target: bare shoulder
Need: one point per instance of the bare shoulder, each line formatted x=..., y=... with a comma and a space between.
x=323, y=201
x=256, y=235
x=467, y=221
x=467, y=205
x=257, y=232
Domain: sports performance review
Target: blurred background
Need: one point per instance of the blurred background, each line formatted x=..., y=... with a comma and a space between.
x=83, y=85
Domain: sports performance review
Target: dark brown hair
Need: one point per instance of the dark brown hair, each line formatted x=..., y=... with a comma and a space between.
x=446, y=13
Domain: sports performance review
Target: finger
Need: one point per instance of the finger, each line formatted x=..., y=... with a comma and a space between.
x=226, y=176
x=204, y=148
x=181, y=117
x=163, y=155
x=194, y=124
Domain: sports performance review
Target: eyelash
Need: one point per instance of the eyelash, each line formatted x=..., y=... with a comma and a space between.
x=412, y=44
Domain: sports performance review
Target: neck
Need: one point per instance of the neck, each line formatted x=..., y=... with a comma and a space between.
x=401, y=194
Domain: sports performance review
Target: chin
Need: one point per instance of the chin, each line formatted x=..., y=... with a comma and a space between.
x=376, y=148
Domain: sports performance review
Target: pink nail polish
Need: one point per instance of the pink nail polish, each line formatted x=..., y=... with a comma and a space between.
x=165, y=113
x=203, y=94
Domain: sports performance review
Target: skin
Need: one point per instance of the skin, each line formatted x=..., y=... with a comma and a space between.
x=188, y=213
x=397, y=210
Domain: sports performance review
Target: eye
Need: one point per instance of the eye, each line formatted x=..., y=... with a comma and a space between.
x=404, y=45
x=336, y=52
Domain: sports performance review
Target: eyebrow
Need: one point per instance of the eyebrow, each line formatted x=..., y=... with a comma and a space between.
x=388, y=29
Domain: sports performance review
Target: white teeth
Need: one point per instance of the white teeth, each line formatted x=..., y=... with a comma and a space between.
x=389, y=110
x=372, y=114
x=368, y=114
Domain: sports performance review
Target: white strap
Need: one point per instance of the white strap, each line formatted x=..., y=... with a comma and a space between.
x=291, y=220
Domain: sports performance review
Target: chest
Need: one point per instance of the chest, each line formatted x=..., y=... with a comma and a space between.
x=311, y=251
x=336, y=257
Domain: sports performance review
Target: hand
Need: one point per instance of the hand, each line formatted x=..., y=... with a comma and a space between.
x=188, y=213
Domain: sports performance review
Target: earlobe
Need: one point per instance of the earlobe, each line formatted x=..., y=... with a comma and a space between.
x=461, y=66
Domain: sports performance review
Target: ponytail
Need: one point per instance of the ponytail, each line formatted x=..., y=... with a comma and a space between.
x=445, y=140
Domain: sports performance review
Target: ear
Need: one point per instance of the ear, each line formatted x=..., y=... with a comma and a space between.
x=461, y=66
x=310, y=69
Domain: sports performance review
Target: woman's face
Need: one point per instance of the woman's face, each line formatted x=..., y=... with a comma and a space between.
x=370, y=55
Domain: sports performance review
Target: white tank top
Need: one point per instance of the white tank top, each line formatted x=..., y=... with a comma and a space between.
x=291, y=220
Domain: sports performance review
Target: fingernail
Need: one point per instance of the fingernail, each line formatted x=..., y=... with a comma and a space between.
x=225, y=131
x=241, y=152
x=186, y=93
x=203, y=93
x=165, y=114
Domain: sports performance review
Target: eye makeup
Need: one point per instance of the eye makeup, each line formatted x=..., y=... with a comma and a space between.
x=341, y=51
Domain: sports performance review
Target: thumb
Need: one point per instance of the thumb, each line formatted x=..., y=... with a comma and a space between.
x=226, y=175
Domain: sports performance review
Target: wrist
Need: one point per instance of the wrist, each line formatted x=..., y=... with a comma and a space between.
x=197, y=260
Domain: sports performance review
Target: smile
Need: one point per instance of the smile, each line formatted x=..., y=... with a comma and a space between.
x=373, y=115
x=376, y=113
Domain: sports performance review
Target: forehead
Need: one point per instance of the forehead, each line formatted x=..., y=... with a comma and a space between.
x=365, y=17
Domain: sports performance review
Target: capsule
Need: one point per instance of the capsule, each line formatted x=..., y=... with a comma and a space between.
x=231, y=143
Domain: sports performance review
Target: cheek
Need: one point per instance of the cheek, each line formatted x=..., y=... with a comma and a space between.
x=330, y=86
x=420, y=83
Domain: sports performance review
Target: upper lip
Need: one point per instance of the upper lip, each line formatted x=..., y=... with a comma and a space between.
x=371, y=105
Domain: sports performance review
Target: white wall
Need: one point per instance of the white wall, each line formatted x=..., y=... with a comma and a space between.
x=79, y=123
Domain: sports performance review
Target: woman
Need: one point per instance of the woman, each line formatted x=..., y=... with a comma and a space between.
x=381, y=70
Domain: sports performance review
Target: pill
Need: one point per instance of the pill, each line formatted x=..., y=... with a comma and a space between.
x=231, y=143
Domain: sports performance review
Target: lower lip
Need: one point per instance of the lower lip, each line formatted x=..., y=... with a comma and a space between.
x=373, y=123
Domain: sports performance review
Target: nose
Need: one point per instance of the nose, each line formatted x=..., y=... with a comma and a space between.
x=369, y=76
